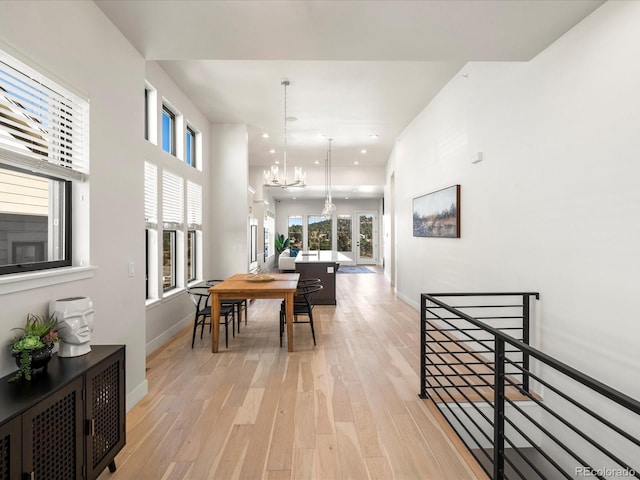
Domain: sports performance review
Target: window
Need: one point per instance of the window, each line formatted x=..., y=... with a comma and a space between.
x=168, y=130
x=151, y=227
x=319, y=232
x=194, y=225
x=169, y=281
x=42, y=127
x=344, y=233
x=172, y=224
x=295, y=231
x=147, y=102
x=192, y=271
x=190, y=147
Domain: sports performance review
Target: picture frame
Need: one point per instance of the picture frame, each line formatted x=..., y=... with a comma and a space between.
x=437, y=214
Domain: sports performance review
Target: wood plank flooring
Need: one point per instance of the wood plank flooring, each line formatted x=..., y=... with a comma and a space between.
x=344, y=409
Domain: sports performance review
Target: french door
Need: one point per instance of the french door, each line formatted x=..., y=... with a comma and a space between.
x=366, y=238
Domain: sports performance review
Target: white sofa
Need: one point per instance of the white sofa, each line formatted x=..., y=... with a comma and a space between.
x=286, y=261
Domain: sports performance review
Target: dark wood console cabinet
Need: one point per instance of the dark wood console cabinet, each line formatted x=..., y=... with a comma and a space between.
x=66, y=423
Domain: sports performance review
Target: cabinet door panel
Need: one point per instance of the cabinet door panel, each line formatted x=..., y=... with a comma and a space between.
x=105, y=412
x=52, y=435
x=10, y=450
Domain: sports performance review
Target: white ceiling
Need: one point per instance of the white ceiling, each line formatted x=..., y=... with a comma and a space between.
x=356, y=67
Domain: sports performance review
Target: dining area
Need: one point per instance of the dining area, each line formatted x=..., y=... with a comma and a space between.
x=221, y=302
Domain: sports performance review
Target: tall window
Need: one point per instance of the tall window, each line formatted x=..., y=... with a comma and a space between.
x=169, y=260
x=344, y=233
x=295, y=231
x=190, y=147
x=168, y=130
x=42, y=127
x=319, y=232
x=172, y=223
x=194, y=228
x=151, y=228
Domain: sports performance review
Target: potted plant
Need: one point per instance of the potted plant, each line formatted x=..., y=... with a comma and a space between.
x=32, y=347
x=281, y=243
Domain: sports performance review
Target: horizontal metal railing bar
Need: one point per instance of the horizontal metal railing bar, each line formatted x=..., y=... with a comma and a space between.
x=537, y=448
x=468, y=329
x=573, y=402
x=579, y=432
x=547, y=433
x=478, y=446
x=474, y=388
x=489, y=317
x=484, y=294
x=482, y=414
x=506, y=305
x=586, y=380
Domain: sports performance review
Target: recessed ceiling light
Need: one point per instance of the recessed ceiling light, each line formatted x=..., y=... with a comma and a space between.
x=356, y=163
x=291, y=119
x=364, y=150
x=277, y=162
x=346, y=198
x=273, y=150
x=321, y=135
x=317, y=162
x=373, y=135
x=293, y=198
x=265, y=135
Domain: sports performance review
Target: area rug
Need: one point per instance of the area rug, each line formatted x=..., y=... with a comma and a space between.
x=356, y=269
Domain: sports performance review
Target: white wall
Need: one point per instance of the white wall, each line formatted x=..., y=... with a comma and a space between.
x=95, y=59
x=166, y=316
x=554, y=206
x=230, y=216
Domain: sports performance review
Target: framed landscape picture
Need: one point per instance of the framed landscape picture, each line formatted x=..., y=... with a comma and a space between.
x=437, y=214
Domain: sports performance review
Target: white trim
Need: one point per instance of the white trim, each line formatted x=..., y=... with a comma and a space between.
x=18, y=282
x=165, y=336
x=137, y=394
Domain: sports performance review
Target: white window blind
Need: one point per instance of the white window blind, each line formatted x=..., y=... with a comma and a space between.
x=43, y=127
x=172, y=201
x=150, y=195
x=194, y=206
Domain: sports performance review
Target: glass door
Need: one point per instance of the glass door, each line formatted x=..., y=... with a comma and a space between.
x=366, y=238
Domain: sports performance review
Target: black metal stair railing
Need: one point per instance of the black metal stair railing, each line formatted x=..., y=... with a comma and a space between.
x=521, y=413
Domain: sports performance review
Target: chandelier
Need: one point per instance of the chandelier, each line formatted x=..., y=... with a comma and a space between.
x=271, y=177
x=329, y=206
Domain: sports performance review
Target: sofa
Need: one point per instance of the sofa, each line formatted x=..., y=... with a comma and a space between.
x=286, y=261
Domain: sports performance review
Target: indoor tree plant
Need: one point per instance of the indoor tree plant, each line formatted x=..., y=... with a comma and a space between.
x=33, y=345
x=281, y=243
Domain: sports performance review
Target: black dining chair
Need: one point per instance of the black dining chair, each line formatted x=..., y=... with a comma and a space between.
x=201, y=299
x=238, y=305
x=302, y=306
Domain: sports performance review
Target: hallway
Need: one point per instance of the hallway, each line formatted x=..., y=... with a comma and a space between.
x=347, y=408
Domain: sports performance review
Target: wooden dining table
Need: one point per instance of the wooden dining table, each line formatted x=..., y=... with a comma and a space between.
x=241, y=286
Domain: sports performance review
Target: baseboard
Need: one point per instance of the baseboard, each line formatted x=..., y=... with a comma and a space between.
x=408, y=300
x=137, y=394
x=167, y=335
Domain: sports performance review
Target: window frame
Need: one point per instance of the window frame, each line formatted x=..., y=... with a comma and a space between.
x=173, y=254
x=192, y=255
x=190, y=156
x=171, y=115
x=67, y=231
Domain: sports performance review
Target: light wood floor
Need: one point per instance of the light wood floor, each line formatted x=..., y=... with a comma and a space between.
x=344, y=409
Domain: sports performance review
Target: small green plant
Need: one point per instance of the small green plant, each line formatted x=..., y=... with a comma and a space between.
x=281, y=243
x=37, y=334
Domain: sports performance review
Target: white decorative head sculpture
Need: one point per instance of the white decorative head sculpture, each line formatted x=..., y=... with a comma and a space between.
x=75, y=323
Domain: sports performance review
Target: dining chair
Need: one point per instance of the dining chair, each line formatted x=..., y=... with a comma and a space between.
x=200, y=297
x=302, y=306
x=239, y=305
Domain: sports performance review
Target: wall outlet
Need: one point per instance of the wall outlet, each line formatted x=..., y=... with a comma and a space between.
x=329, y=269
